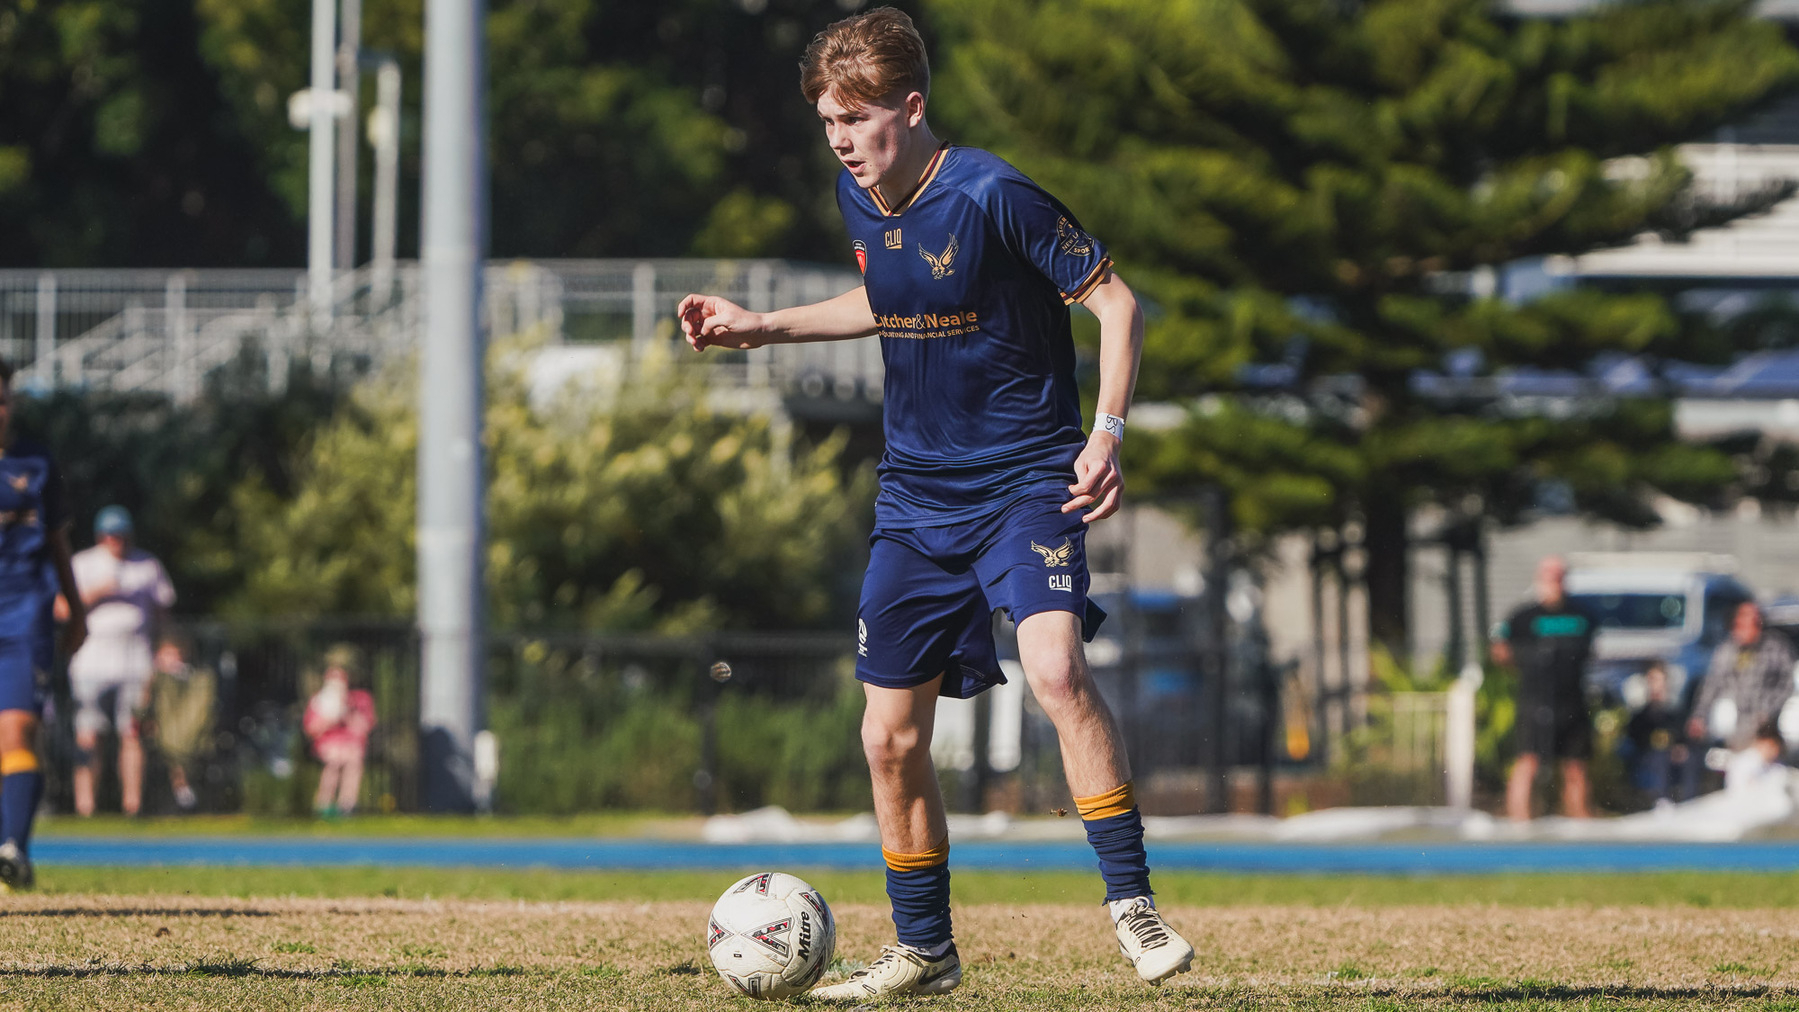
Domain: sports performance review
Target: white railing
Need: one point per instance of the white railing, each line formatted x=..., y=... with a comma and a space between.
x=1764, y=246
x=166, y=331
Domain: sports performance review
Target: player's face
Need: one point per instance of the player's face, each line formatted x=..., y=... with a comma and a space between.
x=868, y=138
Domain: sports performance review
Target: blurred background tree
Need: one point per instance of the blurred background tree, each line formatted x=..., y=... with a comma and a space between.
x=628, y=505
x=158, y=131
x=1311, y=193
x=117, y=147
x=175, y=466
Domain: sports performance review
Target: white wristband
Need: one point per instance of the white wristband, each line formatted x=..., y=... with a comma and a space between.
x=1103, y=422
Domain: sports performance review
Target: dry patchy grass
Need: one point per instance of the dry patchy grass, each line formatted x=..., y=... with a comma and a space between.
x=173, y=952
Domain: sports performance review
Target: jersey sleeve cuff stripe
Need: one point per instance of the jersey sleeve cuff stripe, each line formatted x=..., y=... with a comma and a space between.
x=1086, y=287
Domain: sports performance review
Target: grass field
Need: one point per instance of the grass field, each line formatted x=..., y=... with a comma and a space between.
x=428, y=939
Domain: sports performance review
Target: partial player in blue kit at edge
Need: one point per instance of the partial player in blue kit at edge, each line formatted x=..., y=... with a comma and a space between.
x=987, y=482
x=34, y=567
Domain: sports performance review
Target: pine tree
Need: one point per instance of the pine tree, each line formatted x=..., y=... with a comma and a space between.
x=1301, y=188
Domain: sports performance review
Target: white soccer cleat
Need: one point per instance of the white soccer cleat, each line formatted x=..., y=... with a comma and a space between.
x=1150, y=944
x=15, y=868
x=900, y=969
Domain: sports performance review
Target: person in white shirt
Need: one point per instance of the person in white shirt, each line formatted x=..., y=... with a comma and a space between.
x=127, y=593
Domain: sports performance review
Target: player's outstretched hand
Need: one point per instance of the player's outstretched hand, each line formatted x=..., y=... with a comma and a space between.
x=1098, y=481
x=708, y=321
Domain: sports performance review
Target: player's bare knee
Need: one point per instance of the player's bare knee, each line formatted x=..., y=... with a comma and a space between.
x=890, y=746
x=1059, y=688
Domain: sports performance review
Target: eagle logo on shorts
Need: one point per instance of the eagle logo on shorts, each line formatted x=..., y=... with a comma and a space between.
x=1072, y=240
x=1055, y=558
x=940, y=264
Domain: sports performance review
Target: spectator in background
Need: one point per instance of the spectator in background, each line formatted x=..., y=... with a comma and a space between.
x=127, y=594
x=180, y=714
x=1746, y=684
x=338, y=722
x=1549, y=642
x=1654, y=738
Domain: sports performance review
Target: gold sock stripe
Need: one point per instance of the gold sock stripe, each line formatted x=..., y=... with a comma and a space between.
x=1117, y=801
x=18, y=760
x=917, y=862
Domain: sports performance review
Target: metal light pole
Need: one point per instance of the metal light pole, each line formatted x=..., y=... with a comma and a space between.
x=450, y=472
x=318, y=190
x=384, y=134
x=349, y=83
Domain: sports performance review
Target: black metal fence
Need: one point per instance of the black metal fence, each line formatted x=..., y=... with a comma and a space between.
x=589, y=722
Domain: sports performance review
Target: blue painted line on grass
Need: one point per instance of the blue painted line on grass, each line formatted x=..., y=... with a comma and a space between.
x=650, y=855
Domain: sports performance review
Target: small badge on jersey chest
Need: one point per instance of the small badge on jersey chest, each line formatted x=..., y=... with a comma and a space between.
x=861, y=256
x=891, y=239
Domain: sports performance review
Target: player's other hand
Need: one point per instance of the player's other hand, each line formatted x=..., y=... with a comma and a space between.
x=74, y=633
x=708, y=321
x=1098, y=481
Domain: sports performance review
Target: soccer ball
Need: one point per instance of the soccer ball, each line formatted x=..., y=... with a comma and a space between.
x=771, y=935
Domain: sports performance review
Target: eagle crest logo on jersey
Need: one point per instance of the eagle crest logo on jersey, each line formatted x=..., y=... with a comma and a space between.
x=940, y=264
x=1055, y=558
x=1071, y=239
x=861, y=256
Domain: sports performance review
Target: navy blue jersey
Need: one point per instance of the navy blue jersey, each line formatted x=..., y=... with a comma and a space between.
x=969, y=279
x=32, y=505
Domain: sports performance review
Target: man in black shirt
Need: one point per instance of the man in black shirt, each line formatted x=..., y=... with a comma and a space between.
x=1549, y=642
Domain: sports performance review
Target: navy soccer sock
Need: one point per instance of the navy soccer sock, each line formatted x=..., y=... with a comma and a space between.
x=21, y=787
x=918, y=885
x=1115, y=831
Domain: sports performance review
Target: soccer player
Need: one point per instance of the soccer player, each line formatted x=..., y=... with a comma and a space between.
x=987, y=483
x=34, y=564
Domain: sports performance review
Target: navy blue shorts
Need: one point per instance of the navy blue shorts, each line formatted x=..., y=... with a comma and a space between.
x=26, y=651
x=930, y=593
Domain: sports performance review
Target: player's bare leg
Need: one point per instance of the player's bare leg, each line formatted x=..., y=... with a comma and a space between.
x=1574, y=789
x=131, y=771
x=896, y=738
x=1093, y=756
x=1518, y=786
x=87, y=745
x=1099, y=777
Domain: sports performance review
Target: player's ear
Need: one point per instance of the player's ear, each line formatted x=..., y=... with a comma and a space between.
x=914, y=109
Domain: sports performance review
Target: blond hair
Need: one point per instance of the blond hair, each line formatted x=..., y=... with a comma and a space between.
x=866, y=58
